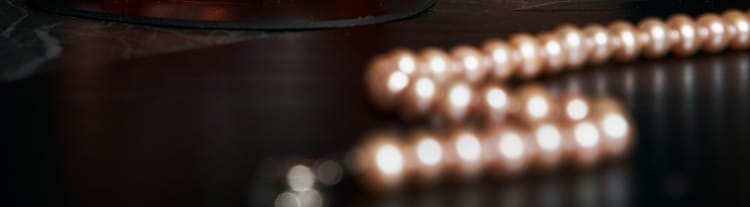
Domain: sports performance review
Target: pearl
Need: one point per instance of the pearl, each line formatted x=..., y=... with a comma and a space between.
x=381, y=160
x=495, y=103
x=457, y=103
x=464, y=149
x=427, y=158
x=741, y=24
x=585, y=139
x=553, y=53
x=405, y=61
x=573, y=44
x=536, y=104
x=420, y=97
x=689, y=40
x=575, y=108
x=385, y=83
x=716, y=31
x=472, y=63
x=502, y=56
x=628, y=45
x=508, y=151
x=659, y=41
x=529, y=51
x=599, y=43
x=438, y=65
x=548, y=141
x=617, y=132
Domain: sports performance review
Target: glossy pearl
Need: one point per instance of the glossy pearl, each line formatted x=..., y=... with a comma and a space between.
x=381, y=162
x=495, y=103
x=617, y=130
x=438, y=65
x=464, y=154
x=689, y=39
x=573, y=44
x=420, y=97
x=599, y=43
x=457, y=103
x=552, y=50
x=716, y=31
x=509, y=151
x=385, y=83
x=475, y=68
x=503, y=60
x=658, y=33
x=741, y=24
x=627, y=41
x=585, y=141
x=547, y=139
x=536, y=104
x=528, y=50
x=575, y=108
x=405, y=61
x=426, y=157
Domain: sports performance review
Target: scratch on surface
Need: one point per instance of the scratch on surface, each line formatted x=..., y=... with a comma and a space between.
x=52, y=49
x=24, y=14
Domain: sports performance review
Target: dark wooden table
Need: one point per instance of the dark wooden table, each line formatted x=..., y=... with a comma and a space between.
x=109, y=114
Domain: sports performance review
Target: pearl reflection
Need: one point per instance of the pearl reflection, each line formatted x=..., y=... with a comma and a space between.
x=300, y=178
x=287, y=199
x=429, y=152
x=329, y=172
x=389, y=160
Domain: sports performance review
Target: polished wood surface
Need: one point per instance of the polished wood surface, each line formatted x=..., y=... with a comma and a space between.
x=118, y=120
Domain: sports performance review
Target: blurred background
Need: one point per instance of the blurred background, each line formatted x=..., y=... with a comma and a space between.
x=100, y=113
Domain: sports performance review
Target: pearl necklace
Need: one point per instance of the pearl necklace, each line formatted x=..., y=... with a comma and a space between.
x=530, y=129
x=527, y=130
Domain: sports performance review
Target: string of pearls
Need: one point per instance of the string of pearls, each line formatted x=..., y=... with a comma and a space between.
x=571, y=129
x=420, y=84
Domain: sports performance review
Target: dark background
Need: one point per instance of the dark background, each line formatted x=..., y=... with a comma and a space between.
x=110, y=114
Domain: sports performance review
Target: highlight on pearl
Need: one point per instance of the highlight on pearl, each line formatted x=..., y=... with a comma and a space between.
x=617, y=133
x=380, y=161
x=548, y=142
x=741, y=24
x=659, y=41
x=458, y=102
x=420, y=97
x=536, y=104
x=465, y=151
x=425, y=157
x=573, y=43
x=503, y=58
x=586, y=139
x=495, y=103
x=576, y=108
x=529, y=51
x=508, y=151
x=472, y=63
x=716, y=31
x=689, y=41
